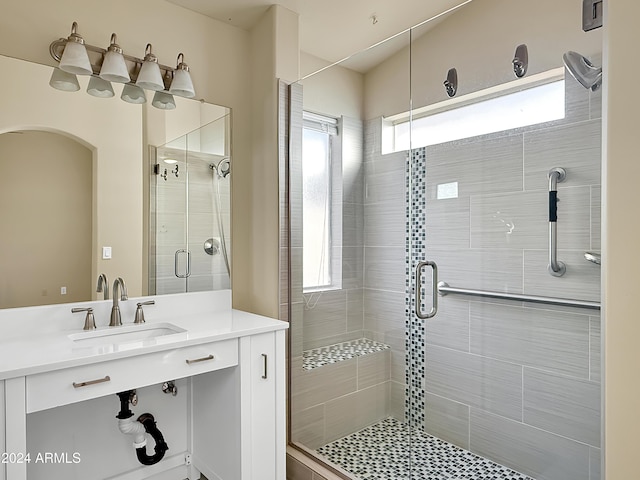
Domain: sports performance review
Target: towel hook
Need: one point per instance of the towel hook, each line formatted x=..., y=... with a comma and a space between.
x=451, y=83
x=521, y=61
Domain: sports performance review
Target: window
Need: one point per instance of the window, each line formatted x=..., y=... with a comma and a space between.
x=505, y=107
x=319, y=139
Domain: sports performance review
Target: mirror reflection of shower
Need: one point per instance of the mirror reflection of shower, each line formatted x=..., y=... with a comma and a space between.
x=189, y=222
x=222, y=170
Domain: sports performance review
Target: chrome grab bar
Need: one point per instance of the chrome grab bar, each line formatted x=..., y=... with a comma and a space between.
x=444, y=289
x=593, y=257
x=556, y=268
x=434, y=279
x=188, y=272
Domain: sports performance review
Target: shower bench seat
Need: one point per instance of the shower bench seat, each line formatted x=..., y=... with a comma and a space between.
x=338, y=352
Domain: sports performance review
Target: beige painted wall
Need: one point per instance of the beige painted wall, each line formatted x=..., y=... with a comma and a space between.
x=621, y=227
x=274, y=42
x=45, y=213
x=218, y=55
x=335, y=91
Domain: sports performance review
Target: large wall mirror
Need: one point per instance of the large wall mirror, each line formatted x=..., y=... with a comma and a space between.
x=84, y=178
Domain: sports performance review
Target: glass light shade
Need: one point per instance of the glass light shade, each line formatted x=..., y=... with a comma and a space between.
x=75, y=59
x=163, y=101
x=150, y=77
x=133, y=94
x=181, y=84
x=100, y=88
x=114, y=68
x=67, y=82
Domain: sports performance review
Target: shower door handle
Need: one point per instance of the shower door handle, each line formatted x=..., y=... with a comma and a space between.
x=434, y=294
x=175, y=267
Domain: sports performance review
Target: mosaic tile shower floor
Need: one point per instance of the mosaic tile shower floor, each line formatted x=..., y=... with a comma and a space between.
x=379, y=452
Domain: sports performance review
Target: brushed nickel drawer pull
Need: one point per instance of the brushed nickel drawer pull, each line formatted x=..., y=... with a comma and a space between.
x=203, y=359
x=264, y=365
x=92, y=382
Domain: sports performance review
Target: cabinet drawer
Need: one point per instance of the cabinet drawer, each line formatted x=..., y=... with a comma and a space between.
x=62, y=387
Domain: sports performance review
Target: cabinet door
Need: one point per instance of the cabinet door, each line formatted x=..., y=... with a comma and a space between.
x=15, y=428
x=2, y=429
x=264, y=411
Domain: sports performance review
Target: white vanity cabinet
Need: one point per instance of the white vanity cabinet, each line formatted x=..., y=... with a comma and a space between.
x=235, y=390
x=256, y=450
x=3, y=450
x=266, y=407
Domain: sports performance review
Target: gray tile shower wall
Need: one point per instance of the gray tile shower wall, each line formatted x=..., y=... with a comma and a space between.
x=384, y=253
x=519, y=384
x=336, y=399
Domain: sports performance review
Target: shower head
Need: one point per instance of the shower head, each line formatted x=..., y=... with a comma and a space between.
x=223, y=168
x=583, y=70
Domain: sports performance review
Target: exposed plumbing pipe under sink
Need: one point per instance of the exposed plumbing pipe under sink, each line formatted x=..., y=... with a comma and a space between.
x=139, y=429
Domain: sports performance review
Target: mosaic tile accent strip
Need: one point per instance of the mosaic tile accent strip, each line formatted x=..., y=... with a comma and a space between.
x=416, y=247
x=381, y=452
x=340, y=351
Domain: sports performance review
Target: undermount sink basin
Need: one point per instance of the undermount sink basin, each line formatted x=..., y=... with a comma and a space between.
x=128, y=336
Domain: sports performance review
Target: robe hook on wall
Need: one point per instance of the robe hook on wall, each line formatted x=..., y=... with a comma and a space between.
x=451, y=83
x=521, y=61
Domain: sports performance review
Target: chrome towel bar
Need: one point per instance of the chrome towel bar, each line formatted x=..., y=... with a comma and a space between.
x=444, y=289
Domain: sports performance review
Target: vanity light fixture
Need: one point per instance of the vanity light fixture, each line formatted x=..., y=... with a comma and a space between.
x=112, y=65
x=150, y=76
x=100, y=88
x=163, y=101
x=133, y=94
x=61, y=80
x=75, y=58
x=181, y=84
x=114, y=68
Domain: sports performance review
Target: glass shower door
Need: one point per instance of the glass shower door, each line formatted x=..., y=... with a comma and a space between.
x=169, y=262
x=347, y=276
x=505, y=377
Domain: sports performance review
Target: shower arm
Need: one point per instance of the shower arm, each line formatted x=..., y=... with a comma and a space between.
x=556, y=268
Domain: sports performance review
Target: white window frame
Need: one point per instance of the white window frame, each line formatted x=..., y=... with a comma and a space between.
x=330, y=126
x=411, y=129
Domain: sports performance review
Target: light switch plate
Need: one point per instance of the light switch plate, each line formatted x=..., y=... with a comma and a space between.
x=106, y=253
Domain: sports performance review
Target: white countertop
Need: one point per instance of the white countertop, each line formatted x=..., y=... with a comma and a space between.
x=27, y=349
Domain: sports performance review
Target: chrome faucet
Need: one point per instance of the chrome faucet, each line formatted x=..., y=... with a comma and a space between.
x=116, y=319
x=103, y=285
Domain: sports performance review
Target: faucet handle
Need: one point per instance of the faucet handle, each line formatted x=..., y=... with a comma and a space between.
x=89, y=320
x=139, y=313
